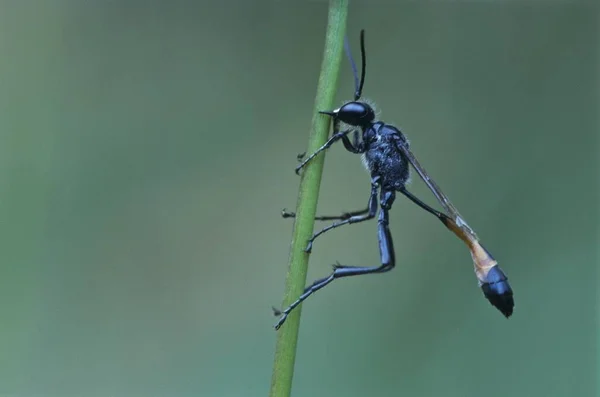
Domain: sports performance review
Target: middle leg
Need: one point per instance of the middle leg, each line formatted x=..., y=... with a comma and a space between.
x=343, y=216
x=386, y=253
x=371, y=212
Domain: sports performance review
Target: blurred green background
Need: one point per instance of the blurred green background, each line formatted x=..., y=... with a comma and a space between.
x=147, y=148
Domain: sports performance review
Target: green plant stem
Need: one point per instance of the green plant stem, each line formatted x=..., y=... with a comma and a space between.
x=310, y=183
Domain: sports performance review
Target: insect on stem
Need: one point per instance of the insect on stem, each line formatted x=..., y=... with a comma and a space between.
x=388, y=158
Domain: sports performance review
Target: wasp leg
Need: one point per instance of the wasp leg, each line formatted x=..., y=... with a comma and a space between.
x=386, y=252
x=442, y=217
x=372, y=210
x=334, y=138
x=346, y=215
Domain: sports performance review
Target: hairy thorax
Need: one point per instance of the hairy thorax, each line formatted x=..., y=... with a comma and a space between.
x=384, y=157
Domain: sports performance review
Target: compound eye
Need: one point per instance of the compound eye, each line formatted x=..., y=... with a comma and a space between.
x=357, y=109
x=367, y=113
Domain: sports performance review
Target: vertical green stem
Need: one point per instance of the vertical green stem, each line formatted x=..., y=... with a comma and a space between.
x=310, y=182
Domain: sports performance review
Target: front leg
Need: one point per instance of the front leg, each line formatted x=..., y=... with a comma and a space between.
x=335, y=137
x=354, y=147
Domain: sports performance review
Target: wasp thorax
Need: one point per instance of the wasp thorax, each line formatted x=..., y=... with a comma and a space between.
x=356, y=114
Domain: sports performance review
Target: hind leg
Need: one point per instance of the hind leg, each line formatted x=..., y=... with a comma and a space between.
x=386, y=254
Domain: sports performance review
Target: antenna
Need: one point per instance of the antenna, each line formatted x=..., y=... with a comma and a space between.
x=358, y=85
x=364, y=64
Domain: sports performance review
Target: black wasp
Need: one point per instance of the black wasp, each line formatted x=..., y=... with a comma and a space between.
x=386, y=154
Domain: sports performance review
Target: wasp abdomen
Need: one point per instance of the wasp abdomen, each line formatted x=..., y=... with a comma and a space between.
x=498, y=292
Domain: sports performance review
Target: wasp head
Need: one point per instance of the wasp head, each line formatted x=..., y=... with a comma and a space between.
x=357, y=114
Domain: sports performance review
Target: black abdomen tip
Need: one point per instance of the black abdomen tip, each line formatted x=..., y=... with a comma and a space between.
x=498, y=292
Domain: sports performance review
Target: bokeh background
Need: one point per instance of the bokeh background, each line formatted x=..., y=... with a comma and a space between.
x=147, y=148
